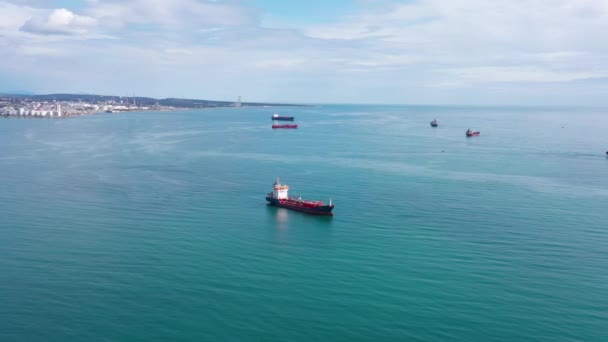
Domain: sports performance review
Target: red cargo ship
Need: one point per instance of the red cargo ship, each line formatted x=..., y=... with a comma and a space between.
x=470, y=133
x=279, y=197
x=284, y=126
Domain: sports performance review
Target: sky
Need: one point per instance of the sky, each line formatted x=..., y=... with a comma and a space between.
x=462, y=52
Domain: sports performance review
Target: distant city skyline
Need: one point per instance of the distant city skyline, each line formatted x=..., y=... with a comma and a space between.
x=525, y=52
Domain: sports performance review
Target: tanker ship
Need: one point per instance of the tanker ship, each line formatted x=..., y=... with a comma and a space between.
x=284, y=126
x=279, y=197
x=281, y=118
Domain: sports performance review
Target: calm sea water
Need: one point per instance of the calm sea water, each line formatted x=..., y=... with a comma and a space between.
x=153, y=226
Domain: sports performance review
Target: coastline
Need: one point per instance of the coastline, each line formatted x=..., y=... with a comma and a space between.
x=68, y=105
x=67, y=115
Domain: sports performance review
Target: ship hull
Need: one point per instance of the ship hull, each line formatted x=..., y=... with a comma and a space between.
x=324, y=210
x=284, y=126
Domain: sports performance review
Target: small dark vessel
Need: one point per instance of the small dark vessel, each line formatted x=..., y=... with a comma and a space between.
x=282, y=118
x=434, y=123
x=284, y=126
x=279, y=198
x=470, y=133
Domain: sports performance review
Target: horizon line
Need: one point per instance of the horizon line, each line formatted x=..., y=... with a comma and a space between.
x=28, y=94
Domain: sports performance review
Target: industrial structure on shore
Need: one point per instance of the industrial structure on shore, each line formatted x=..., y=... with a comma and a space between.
x=24, y=107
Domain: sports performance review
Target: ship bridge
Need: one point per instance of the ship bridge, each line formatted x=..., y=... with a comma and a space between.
x=279, y=191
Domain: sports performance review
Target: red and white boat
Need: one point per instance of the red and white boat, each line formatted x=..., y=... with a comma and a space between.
x=279, y=198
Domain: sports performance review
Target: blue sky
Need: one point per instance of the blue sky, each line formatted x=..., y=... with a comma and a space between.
x=526, y=52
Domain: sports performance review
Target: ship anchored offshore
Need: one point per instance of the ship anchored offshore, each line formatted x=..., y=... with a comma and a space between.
x=277, y=117
x=279, y=197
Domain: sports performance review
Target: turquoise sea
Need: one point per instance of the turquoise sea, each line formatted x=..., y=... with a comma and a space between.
x=153, y=226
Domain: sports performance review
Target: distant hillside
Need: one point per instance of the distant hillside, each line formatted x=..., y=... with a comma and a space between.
x=142, y=101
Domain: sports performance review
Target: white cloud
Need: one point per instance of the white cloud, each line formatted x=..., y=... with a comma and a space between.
x=60, y=21
x=13, y=16
x=178, y=51
x=280, y=63
x=518, y=74
x=172, y=14
x=454, y=41
x=33, y=50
